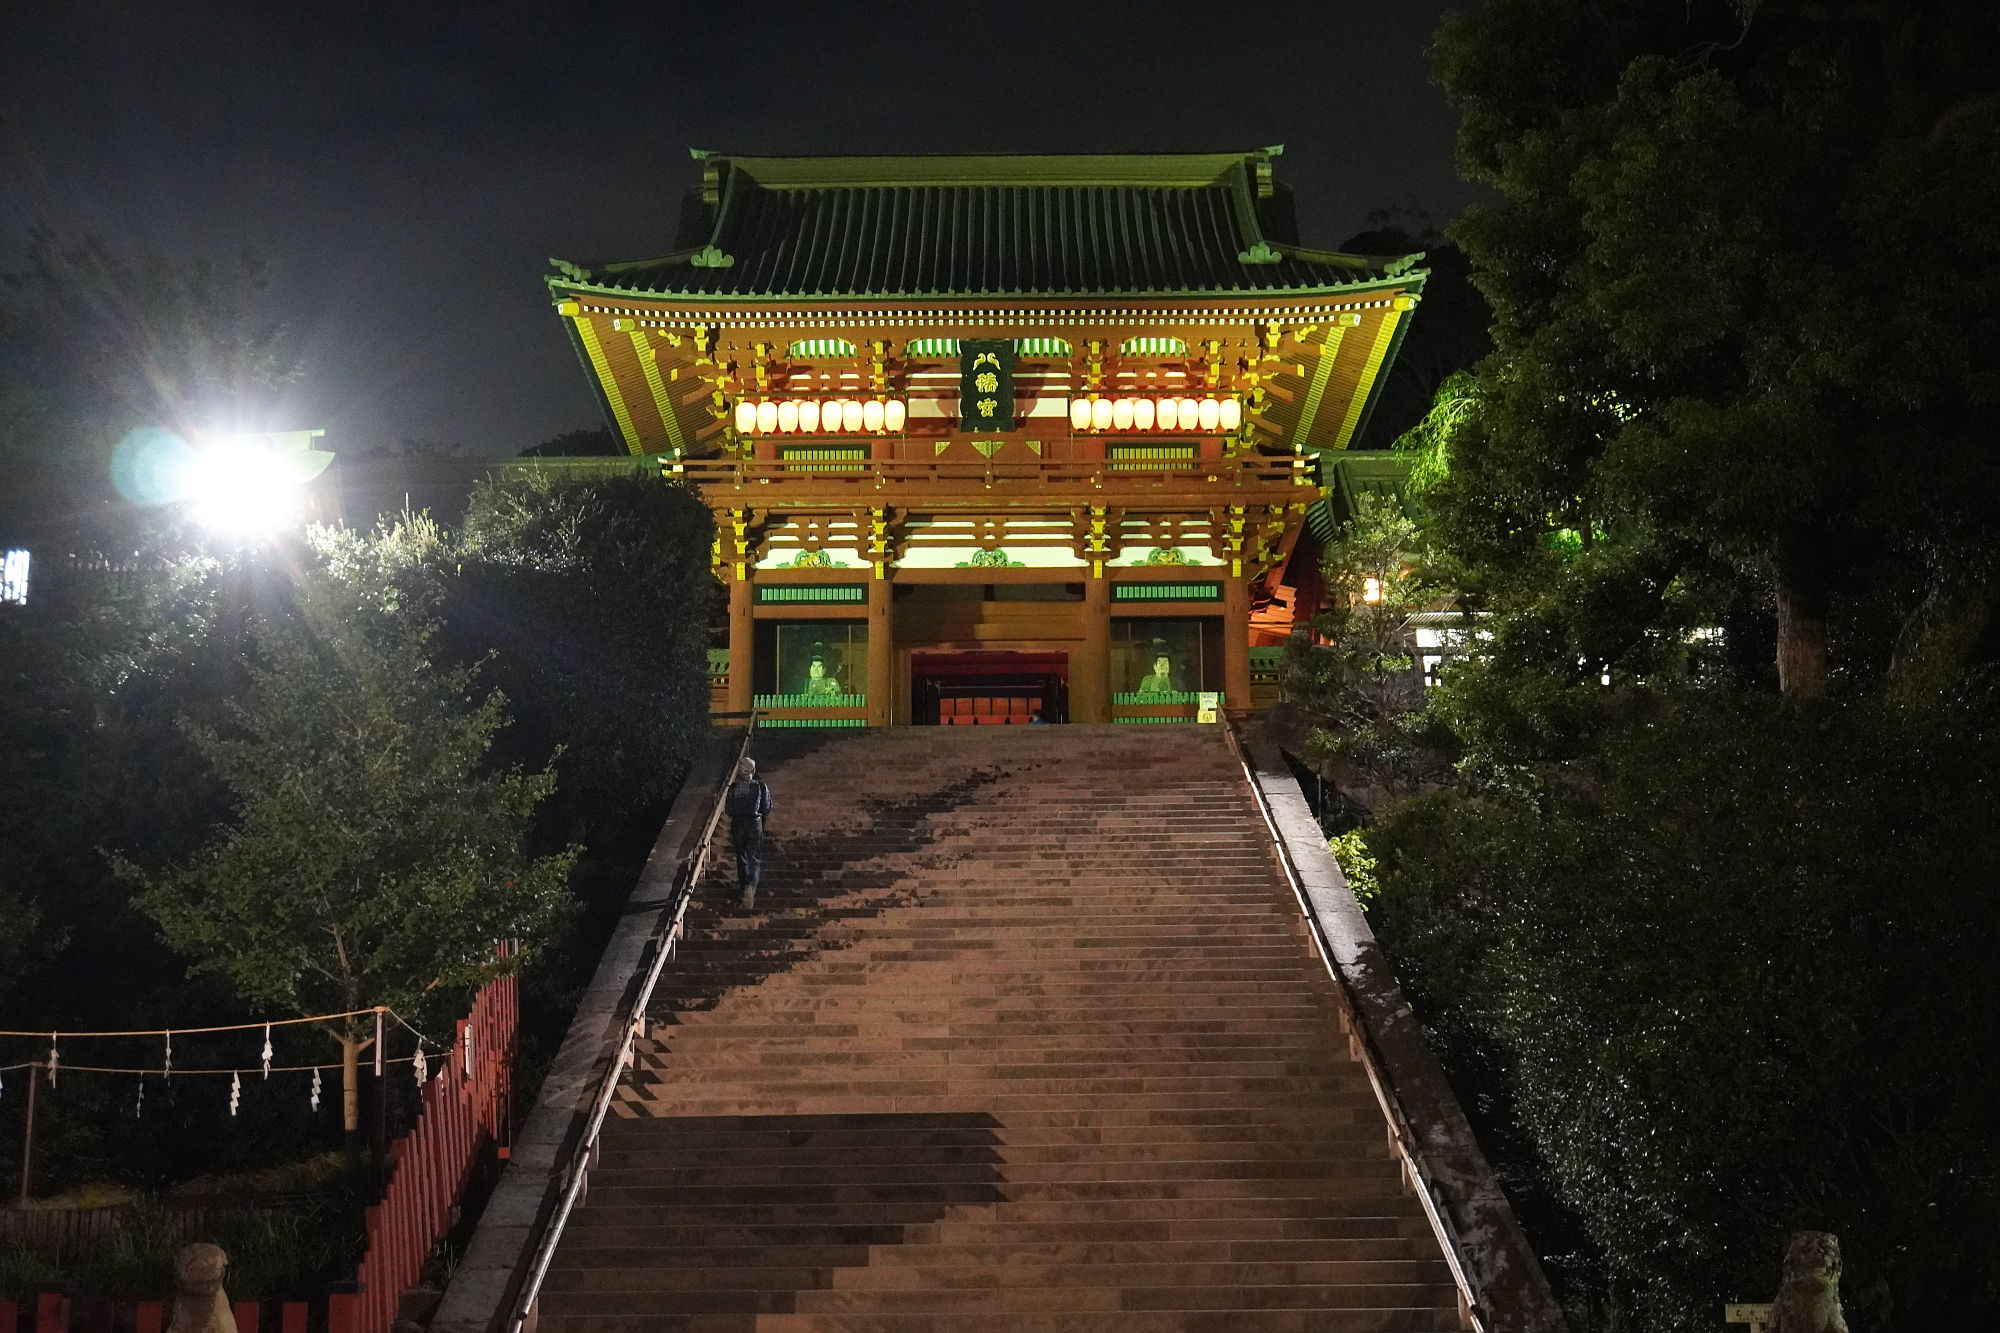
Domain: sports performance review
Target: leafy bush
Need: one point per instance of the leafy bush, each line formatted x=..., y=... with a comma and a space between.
x=1727, y=977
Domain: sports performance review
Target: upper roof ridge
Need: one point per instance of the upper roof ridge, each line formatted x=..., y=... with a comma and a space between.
x=1160, y=170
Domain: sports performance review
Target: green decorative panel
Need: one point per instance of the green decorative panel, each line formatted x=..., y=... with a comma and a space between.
x=822, y=347
x=1154, y=346
x=822, y=594
x=942, y=347
x=825, y=457
x=1166, y=592
x=766, y=723
x=1148, y=457
x=1142, y=699
x=809, y=701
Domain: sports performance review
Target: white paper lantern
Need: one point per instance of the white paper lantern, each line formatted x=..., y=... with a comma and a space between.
x=893, y=414
x=850, y=414
x=1190, y=413
x=788, y=415
x=767, y=417
x=871, y=414
x=1100, y=413
x=829, y=415
x=1211, y=414
x=746, y=417
x=1232, y=413
x=1142, y=414
x=1079, y=414
x=1170, y=413
x=1121, y=414
x=809, y=415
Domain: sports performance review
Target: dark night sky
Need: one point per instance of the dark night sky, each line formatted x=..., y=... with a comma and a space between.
x=407, y=168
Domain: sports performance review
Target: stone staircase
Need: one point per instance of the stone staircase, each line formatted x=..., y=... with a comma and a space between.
x=1023, y=1033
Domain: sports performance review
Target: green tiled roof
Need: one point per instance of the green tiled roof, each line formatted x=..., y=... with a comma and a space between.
x=1191, y=224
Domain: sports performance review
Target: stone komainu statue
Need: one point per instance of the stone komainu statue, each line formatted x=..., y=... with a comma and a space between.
x=1809, y=1297
x=200, y=1304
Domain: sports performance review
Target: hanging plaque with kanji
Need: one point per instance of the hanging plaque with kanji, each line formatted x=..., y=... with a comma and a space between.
x=986, y=384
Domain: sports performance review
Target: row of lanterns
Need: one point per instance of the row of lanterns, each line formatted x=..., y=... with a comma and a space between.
x=1209, y=414
x=812, y=417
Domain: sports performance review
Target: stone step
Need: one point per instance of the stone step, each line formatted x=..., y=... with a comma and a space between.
x=1001, y=1095
x=852, y=1270
x=1370, y=1216
x=1018, y=1310
x=1117, y=1041
x=976, y=1058
x=1362, y=1191
x=911, y=1134
x=1399, y=1240
x=1183, y=1156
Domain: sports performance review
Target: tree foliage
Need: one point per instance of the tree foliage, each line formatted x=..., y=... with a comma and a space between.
x=1742, y=275
x=375, y=856
x=1358, y=684
x=1731, y=967
x=594, y=595
x=1704, y=945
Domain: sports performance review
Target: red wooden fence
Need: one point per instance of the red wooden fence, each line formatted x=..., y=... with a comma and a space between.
x=463, y=1115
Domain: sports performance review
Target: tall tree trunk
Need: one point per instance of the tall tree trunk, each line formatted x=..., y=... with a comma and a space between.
x=1799, y=570
x=350, y=1095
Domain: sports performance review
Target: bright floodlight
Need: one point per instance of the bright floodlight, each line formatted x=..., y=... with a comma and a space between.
x=241, y=489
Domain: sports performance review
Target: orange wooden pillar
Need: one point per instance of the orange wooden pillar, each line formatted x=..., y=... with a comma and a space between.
x=881, y=648
x=1090, y=674
x=742, y=635
x=1236, y=641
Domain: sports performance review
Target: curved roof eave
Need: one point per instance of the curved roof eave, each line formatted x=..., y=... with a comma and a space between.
x=1407, y=281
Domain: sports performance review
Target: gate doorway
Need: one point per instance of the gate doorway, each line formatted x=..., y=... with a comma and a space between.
x=993, y=688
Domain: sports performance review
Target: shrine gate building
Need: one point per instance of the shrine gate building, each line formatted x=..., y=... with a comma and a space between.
x=993, y=439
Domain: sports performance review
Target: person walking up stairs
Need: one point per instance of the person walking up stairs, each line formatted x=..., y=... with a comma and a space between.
x=1023, y=1032
x=748, y=805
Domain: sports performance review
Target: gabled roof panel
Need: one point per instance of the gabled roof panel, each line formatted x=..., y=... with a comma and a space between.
x=1000, y=226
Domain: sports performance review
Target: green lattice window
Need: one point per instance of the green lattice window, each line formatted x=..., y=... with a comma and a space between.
x=821, y=348
x=1166, y=592
x=824, y=457
x=767, y=723
x=1149, y=457
x=947, y=347
x=1154, y=346
x=807, y=593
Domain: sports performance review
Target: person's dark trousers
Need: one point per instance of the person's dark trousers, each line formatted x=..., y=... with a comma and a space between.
x=749, y=845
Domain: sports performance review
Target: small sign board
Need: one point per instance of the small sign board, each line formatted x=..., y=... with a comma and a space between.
x=986, y=384
x=1758, y=1316
x=1208, y=704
